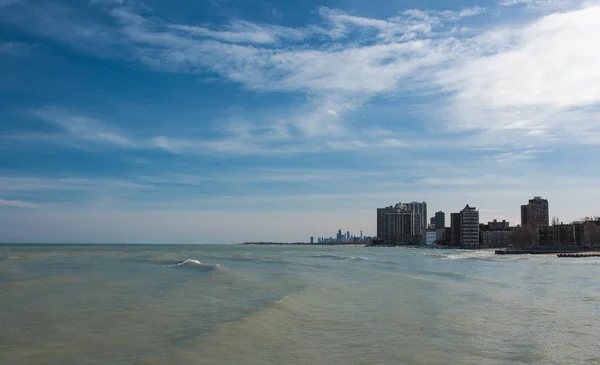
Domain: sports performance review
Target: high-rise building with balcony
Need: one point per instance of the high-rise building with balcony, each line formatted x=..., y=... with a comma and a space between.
x=420, y=211
x=397, y=224
x=469, y=226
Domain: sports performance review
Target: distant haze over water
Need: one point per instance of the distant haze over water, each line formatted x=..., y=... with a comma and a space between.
x=226, y=304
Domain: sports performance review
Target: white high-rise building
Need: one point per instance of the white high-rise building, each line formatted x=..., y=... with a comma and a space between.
x=469, y=226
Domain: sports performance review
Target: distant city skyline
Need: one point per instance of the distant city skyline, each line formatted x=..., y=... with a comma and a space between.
x=232, y=121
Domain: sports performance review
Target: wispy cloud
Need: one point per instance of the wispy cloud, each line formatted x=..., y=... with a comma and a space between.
x=83, y=127
x=546, y=5
x=17, y=204
x=245, y=32
x=509, y=86
x=542, y=84
x=534, y=78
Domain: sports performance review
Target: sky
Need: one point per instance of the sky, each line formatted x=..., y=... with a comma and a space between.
x=219, y=121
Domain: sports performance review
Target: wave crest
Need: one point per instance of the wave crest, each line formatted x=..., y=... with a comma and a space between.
x=195, y=263
x=339, y=257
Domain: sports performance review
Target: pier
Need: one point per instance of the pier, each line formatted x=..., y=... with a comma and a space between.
x=533, y=252
x=559, y=253
x=591, y=254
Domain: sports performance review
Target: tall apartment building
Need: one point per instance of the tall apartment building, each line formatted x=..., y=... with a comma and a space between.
x=535, y=213
x=469, y=226
x=455, y=236
x=440, y=219
x=420, y=211
x=397, y=224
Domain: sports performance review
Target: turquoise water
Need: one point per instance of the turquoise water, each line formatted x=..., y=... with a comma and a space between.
x=130, y=304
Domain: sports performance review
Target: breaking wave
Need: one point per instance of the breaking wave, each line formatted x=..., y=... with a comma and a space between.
x=465, y=255
x=339, y=257
x=195, y=263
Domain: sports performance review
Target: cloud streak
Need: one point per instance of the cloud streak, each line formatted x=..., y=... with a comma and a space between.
x=533, y=78
x=17, y=204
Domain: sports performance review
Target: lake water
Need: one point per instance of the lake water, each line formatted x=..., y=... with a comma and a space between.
x=225, y=304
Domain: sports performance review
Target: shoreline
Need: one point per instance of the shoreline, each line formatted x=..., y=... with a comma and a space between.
x=497, y=251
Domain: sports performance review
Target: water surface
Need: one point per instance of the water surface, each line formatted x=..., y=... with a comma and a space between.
x=174, y=304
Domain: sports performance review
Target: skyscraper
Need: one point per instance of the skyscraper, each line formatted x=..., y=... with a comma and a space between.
x=469, y=226
x=535, y=213
x=440, y=219
x=396, y=224
x=420, y=211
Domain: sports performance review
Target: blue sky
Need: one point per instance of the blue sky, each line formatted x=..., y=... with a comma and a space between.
x=227, y=120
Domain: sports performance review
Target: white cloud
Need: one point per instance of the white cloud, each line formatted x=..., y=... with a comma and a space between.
x=45, y=184
x=547, y=5
x=17, y=204
x=245, y=32
x=83, y=127
x=550, y=65
x=513, y=84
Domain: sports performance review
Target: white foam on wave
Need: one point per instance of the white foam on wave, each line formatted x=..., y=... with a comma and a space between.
x=360, y=258
x=482, y=255
x=195, y=263
x=339, y=257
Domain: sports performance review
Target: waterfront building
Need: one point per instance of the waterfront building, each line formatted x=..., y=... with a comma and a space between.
x=591, y=234
x=495, y=238
x=440, y=234
x=495, y=234
x=397, y=224
x=420, y=211
x=561, y=235
x=535, y=213
x=455, y=237
x=469, y=226
x=498, y=226
x=447, y=234
x=430, y=237
x=432, y=222
x=440, y=219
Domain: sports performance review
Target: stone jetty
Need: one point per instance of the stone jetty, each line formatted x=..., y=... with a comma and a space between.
x=589, y=254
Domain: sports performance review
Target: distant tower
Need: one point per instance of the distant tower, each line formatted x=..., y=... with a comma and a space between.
x=312, y=240
x=361, y=236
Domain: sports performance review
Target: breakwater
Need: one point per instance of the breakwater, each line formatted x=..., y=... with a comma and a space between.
x=535, y=252
x=590, y=254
